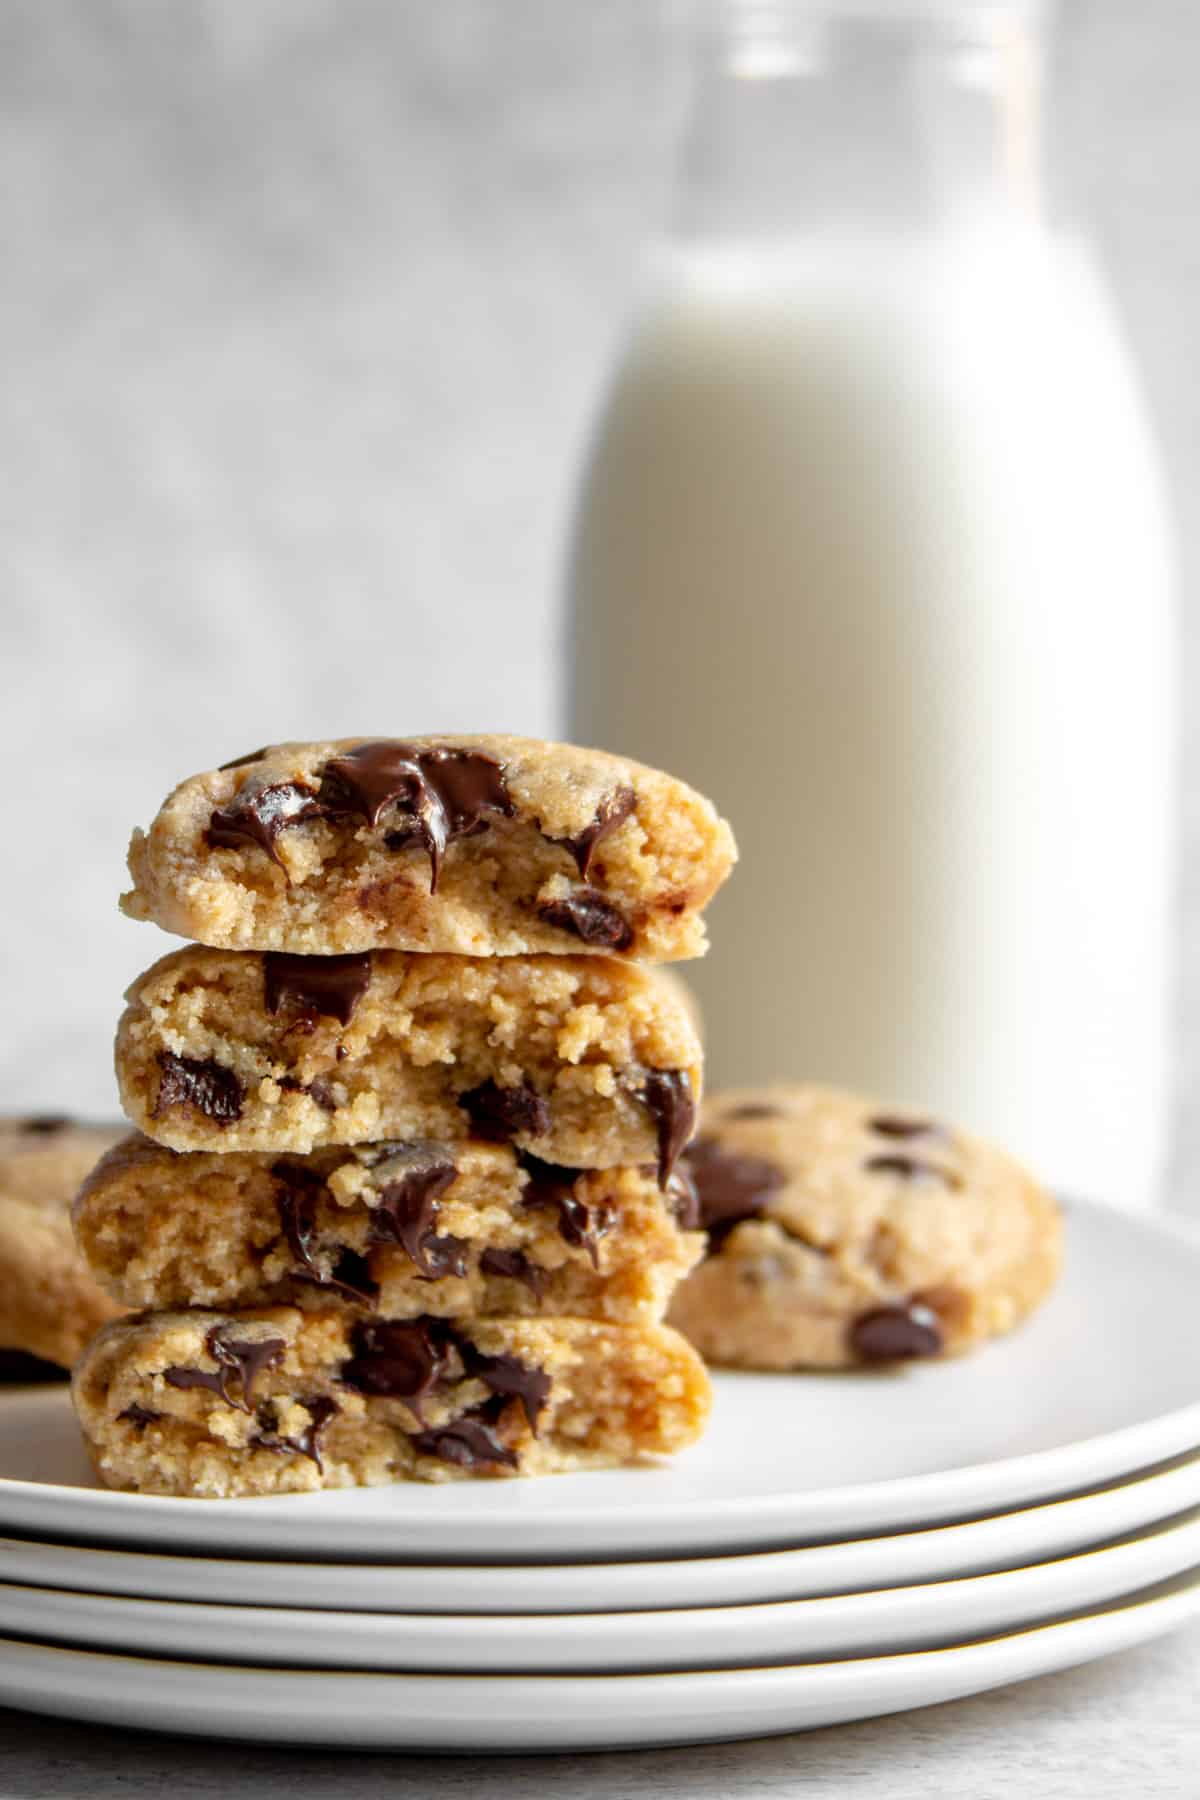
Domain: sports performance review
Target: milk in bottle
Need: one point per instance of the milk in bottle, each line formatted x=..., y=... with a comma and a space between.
x=870, y=548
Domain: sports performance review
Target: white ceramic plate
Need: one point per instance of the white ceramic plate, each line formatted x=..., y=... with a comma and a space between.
x=557, y=1712
x=1102, y=1382
x=723, y=1637
x=1009, y=1540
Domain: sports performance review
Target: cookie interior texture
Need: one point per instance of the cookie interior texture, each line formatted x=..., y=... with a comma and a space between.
x=477, y=845
x=844, y=1232
x=275, y=1400
x=400, y=1229
x=581, y=1061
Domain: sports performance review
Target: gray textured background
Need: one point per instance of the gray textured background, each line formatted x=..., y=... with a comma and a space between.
x=304, y=308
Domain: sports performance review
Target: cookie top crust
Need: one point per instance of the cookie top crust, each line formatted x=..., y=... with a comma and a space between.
x=844, y=1231
x=473, y=844
x=45, y=1156
x=830, y=1166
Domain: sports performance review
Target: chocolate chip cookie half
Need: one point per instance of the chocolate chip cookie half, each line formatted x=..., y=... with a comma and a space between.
x=275, y=1400
x=843, y=1232
x=577, y=1060
x=482, y=845
x=399, y=1229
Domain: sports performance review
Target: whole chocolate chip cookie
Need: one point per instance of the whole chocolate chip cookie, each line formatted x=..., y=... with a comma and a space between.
x=844, y=1232
x=276, y=1400
x=483, y=846
x=49, y=1303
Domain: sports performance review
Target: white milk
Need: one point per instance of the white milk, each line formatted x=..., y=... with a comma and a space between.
x=870, y=550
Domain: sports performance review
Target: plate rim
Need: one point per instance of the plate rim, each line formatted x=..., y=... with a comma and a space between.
x=712, y=1619
x=1145, y=1599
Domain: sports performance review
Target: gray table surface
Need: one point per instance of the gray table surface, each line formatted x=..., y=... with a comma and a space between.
x=1125, y=1726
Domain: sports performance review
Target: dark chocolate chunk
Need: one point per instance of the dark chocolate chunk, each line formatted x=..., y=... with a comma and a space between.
x=321, y=1408
x=139, y=1415
x=498, y=1114
x=579, y=1225
x=296, y=1199
x=408, y=1208
x=516, y=1266
x=910, y=1168
x=434, y=795
x=668, y=1096
x=683, y=1198
x=896, y=1333
x=888, y=1125
x=466, y=1442
x=590, y=918
x=244, y=1358
x=316, y=986
x=240, y=762
x=43, y=1124
x=257, y=815
x=612, y=811
x=730, y=1185
x=179, y=1376
x=188, y=1081
x=509, y=1376
x=399, y=1359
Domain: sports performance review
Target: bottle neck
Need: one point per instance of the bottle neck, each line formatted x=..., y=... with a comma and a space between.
x=811, y=117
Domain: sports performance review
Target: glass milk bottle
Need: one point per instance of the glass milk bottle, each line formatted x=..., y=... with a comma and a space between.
x=870, y=547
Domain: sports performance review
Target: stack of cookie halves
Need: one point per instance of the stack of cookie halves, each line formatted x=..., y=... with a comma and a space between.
x=404, y=1197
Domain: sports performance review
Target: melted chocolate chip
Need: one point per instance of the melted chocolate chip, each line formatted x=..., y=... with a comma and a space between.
x=405, y=1359
x=321, y=1409
x=139, y=1415
x=579, y=1225
x=909, y=1168
x=187, y=1081
x=499, y=1114
x=399, y=1359
x=730, y=1186
x=320, y=1091
x=509, y=1376
x=896, y=1333
x=43, y=1124
x=258, y=814
x=244, y=1358
x=668, y=1097
x=516, y=1266
x=886, y=1125
x=683, y=1198
x=316, y=986
x=467, y=1443
x=296, y=1199
x=612, y=811
x=407, y=1211
x=178, y=1376
x=589, y=917
x=240, y=762
x=754, y=1109
x=436, y=794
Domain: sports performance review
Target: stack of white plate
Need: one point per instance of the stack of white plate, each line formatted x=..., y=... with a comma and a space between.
x=837, y=1547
